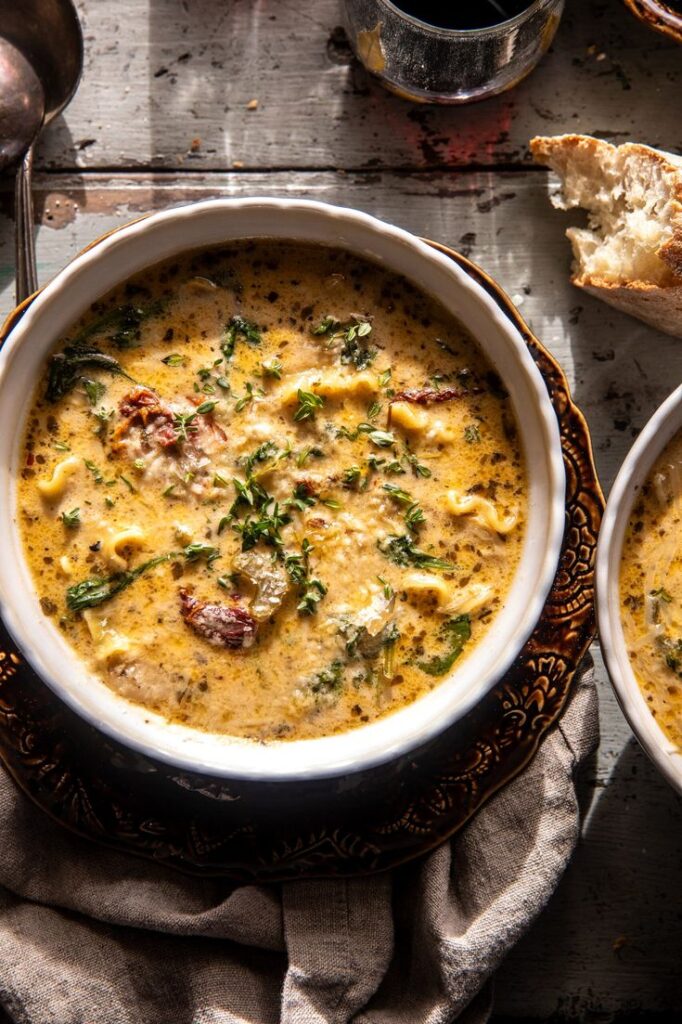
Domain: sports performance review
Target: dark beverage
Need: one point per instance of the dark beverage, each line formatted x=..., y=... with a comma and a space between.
x=462, y=14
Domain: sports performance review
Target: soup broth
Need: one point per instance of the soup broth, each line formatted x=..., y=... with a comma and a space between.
x=651, y=590
x=271, y=490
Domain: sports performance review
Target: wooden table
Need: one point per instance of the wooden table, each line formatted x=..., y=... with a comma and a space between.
x=166, y=113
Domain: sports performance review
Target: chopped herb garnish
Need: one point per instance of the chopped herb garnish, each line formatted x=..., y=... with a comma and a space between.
x=672, y=653
x=313, y=592
x=374, y=410
x=97, y=589
x=381, y=438
x=662, y=595
x=350, y=333
x=455, y=632
x=251, y=393
x=197, y=551
x=184, y=425
x=329, y=680
x=239, y=327
x=298, y=569
x=401, y=551
x=325, y=325
x=472, y=435
x=207, y=407
x=60, y=446
x=301, y=498
x=102, y=416
x=94, y=389
x=174, y=359
x=308, y=404
x=71, y=519
x=266, y=526
x=414, y=516
x=353, y=351
x=351, y=476
x=219, y=480
x=168, y=493
x=126, y=481
x=389, y=592
x=384, y=377
x=404, y=497
x=96, y=472
x=273, y=368
x=330, y=503
x=417, y=467
x=262, y=453
x=139, y=465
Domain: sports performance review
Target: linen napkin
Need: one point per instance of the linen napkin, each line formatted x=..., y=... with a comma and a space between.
x=91, y=936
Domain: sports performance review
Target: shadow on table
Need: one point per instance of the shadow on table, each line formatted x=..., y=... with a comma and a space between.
x=617, y=907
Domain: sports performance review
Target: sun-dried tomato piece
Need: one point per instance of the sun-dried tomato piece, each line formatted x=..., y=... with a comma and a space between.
x=220, y=624
x=140, y=397
x=431, y=396
x=142, y=407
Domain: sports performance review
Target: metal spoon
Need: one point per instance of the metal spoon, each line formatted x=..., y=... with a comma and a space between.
x=22, y=104
x=46, y=34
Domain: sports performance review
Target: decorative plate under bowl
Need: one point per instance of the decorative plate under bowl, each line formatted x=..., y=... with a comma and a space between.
x=359, y=824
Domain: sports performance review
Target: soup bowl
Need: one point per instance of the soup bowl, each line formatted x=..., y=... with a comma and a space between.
x=663, y=425
x=162, y=235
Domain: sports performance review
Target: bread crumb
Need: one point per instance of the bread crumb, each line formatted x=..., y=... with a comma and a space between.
x=237, y=164
x=195, y=145
x=252, y=105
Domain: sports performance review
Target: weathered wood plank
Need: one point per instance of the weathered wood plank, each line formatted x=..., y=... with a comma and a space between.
x=609, y=939
x=167, y=84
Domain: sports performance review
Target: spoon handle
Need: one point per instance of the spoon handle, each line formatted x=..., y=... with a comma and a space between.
x=27, y=275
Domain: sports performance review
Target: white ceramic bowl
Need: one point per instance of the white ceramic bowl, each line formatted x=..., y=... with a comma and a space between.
x=135, y=247
x=662, y=426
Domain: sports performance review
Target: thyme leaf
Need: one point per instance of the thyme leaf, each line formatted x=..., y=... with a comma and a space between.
x=308, y=404
x=71, y=519
x=400, y=550
x=239, y=327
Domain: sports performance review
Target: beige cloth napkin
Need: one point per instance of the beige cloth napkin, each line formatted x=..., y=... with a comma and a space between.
x=88, y=936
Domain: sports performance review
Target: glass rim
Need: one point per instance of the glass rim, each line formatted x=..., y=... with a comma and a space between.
x=660, y=9
x=468, y=33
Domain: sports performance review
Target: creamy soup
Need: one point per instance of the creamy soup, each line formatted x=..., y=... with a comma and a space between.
x=651, y=590
x=271, y=490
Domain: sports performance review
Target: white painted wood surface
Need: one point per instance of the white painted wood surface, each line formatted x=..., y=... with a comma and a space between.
x=609, y=942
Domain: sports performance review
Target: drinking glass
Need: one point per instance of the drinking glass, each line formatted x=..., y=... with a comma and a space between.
x=426, y=63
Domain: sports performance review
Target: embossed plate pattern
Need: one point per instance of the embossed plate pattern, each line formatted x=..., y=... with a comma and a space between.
x=360, y=824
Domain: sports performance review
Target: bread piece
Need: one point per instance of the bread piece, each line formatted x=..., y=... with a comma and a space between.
x=630, y=254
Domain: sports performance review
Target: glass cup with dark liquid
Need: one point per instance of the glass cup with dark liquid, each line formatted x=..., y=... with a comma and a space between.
x=452, y=51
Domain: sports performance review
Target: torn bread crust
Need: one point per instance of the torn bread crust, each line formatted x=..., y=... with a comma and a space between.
x=630, y=255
